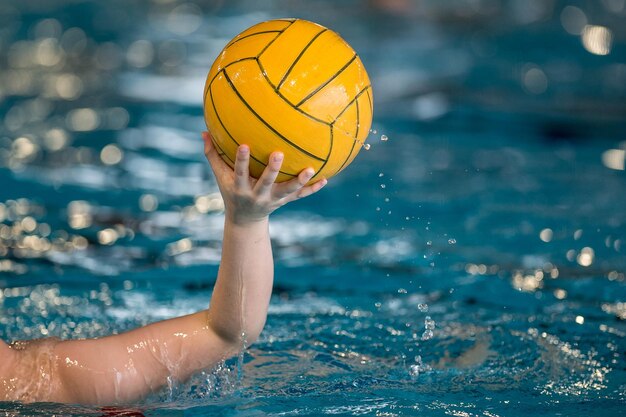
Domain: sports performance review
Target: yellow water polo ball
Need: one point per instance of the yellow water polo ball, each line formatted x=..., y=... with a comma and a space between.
x=293, y=86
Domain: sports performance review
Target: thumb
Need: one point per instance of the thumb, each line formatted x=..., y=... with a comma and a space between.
x=210, y=151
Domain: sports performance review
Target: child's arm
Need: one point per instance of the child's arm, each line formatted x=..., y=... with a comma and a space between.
x=125, y=367
x=244, y=284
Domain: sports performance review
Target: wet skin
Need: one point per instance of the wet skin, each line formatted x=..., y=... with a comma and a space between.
x=123, y=368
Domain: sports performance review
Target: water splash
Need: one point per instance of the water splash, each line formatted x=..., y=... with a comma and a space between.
x=418, y=367
x=429, y=326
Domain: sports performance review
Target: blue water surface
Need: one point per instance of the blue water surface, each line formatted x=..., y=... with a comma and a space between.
x=470, y=263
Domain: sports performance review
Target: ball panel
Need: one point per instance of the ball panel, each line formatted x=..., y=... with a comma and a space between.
x=370, y=99
x=310, y=72
x=284, y=51
x=364, y=106
x=348, y=121
x=247, y=48
x=335, y=96
x=325, y=82
x=346, y=130
x=263, y=27
x=238, y=120
x=226, y=145
x=295, y=128
x=354, y=150
x=344, y=148
x=228, y=149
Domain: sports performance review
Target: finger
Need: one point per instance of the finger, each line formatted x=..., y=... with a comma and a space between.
x=210, y=151
x=284, y=189
x=306, y=191
x=242, y=163
x=265, y=182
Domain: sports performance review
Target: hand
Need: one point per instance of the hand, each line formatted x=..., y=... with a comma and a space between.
x=248, y=200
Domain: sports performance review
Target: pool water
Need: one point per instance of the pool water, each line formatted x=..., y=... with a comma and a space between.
x=470, y=263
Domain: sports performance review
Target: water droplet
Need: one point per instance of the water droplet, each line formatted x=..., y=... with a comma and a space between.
x=427, y=335
x=429, y=323
x=418, y=367
x=452, y=241
x=383, y=186
x=423, y=307
x=374, y=131
x=366, y=146
x=384, y=138
x=429, y=243
x=381, y=175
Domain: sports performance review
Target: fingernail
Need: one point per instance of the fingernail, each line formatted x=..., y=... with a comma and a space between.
x=309, y=172
x=278, y=156
x=243, y=149
x=324, y=182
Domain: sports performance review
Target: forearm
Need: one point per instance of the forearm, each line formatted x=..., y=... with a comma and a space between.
x=244, y=283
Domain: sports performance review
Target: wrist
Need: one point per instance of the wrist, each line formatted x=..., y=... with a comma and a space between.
x=246, y=222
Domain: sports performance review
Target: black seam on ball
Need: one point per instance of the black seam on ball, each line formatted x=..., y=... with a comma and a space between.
x=369, y=98
x=270, y=127
x=310, y=116
x=221, y=152
x=295, y=61
x=219, y=119
x=347, y=159
x=274, y=40
x=351, y=101
x=325, y=83
x=221, y=70
x=250, y=35
x=330, y=150
x=358, y=122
